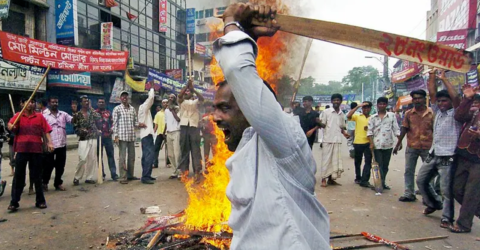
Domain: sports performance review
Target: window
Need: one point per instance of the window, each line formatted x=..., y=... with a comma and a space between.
x=199, y=14
x=92, y=12
x=220, y=10
x=208, y=13
x=15, y=23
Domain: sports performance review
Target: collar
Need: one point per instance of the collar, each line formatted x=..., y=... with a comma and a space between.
x=332, y=110
x=428, y=110
x=448, y=112
x=34, y=114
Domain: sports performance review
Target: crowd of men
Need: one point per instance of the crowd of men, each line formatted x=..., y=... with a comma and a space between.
x=38, y=138
x=445, y=136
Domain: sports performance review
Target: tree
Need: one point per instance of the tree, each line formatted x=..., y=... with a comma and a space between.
x=358, y=75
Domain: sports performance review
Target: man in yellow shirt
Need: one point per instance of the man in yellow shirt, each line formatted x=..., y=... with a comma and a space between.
x=361, y=144
x=159, y=122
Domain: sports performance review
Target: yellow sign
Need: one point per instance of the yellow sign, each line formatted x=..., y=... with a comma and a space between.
x=138, y=86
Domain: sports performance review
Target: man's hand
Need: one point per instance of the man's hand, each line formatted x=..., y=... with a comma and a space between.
x=310, y=132
x=474, y=133
x=397, y=148
x=50, y=147
x=116, y=140
x=190, y=84
x=11, y=127
x=244, y=13
x=468, y=91
x=142, y=125
x=345, y=134
x=372, y=146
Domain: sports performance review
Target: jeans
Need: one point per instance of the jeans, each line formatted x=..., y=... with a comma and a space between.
x=107, y=144
x=411, y=157
x=429, y=170
x=190, y=143
x=382, y=156
x=360, y=150
x=55, y=160
x=158, y=144
x=466, y=184
x=173, y=150
x=148, y=154
x=126, y=168
x=35, y=167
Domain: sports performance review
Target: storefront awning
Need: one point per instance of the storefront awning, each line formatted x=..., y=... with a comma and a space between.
x=40, y=3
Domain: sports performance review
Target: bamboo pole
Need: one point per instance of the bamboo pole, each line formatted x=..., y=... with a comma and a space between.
x=11, y=104
x=297, y=83
x=31, y=96
x=100, y=161
x=399, y=242
x=344, y=236
x=190, y=66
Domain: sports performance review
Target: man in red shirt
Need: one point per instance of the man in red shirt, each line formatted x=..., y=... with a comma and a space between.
x=28, y=145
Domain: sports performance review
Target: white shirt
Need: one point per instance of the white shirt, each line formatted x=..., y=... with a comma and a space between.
x=334, y=122
x=172, y=124
x=383, y=130
x=190, y=114
x=272, y=172
x=145, y=116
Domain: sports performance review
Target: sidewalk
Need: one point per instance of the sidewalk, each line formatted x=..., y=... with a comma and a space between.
x=72, y=143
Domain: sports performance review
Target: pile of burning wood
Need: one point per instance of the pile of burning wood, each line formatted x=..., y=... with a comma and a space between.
x=167, y=232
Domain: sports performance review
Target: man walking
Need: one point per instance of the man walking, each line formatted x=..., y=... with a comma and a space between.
x=332, y=121
x=361, y=144
x=57, y=120
x=272, y=172
x=351, y=132
x=418, y=126
x=146, y=135
x=85, y=125
x=382, y=127
x=308, y=120
x=29, y=131
x=440, y=160
x=172, y=127
x=124, y=124
x=106, y=124
x=159, y=128
x=189, y=130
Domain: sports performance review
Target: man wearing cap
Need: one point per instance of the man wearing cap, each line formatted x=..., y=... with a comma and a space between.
x=124, y=124
x=85, y=124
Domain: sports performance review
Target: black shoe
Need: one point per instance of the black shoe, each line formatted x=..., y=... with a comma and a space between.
x=358, y=181
x=417, y=192
x=155, y=167
x=3, y=184
x=133, y=179
x=115, y=179
x=386, y=187
x=173, y=177
x=90, y=182
x=45, y=187
x=76, y=182
x=404, y=198
x=366, y=185
x=153, y=178
x=148, y=182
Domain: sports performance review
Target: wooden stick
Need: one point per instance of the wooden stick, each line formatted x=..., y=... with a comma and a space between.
x=379, y=42
x=100, y=161
x=154, y=240
x=190, y=66
x=297, y=83
x=11, y=103
x=399, y=241
x=31, y=96
x=344, y=236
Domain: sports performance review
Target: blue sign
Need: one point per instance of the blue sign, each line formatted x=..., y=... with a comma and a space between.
x=65, y=25
x=191, y=21
x=62, y=78
x=171, y=85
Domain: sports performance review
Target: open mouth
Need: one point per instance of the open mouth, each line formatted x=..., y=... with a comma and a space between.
x=227, y=134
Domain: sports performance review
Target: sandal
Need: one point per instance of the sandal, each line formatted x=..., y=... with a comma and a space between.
x=324, y=183
x=429, y=210
x=445, y=223
x=60, y=188
x=12, y=208
x=41, y=205
x=458, y=230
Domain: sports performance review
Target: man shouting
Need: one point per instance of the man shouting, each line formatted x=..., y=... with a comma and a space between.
x=272, y=172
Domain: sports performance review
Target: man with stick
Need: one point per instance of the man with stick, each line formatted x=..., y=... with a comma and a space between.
x=146, y=135
x=86, y=127
x=189, y=130
x=56, y=160
x=106, y=142
x=29, y=128
x=272, y=172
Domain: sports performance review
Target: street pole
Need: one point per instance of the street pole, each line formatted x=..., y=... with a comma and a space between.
x=363, y=94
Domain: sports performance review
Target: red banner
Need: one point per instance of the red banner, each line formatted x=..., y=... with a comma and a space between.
x=454, y=38
x=200, y=49
x=405, y=71
x=34, y=52
x=162, y=15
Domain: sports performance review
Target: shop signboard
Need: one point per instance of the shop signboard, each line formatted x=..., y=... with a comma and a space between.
x=176, y=74
x=191, y=21
x=118, y=87
x=162, y=16
x=405, y=71
x=453, y=38
x=69, y=79
x=200, y=49
x=106, y=36
x=43, y=54
x=20, y=76
x=4, y=8
x=415, y=84
x=472, y=77
x=456, y=15
x=66, y=22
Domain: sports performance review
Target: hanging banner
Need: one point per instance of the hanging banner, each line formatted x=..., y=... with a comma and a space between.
x=106, y=36
x=69, y=79
x=38, y=53
x=162, y=15
x=176, y=74
x=118, y=87
x=65, y=22
x=472, y=77
x=417, y=83
x=19, y=76
x=191, y=21
x=138, y=86
x=4, y=8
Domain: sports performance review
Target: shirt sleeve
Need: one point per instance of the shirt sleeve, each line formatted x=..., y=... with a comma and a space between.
x=135, y=120
x=115, y=122
x=406, y=119
x=371, y=126
x=68, y=118
x=354, y=117
x=396, y=129
x=141, y=113
x=46, y=127
x=156, y=120
x=236, y=53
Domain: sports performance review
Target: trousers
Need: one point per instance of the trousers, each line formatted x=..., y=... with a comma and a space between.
x=190, y=144
x=148, y=154
x=382, y=156
x=360, y=151
x=87, y=159
x=173, y=150
x=55, y=160
x=126, y=168
x=411, y=157
x=35, y=167
x=107, y=145
x=466, y=184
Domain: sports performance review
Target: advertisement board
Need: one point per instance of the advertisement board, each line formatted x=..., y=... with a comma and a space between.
x=405, y=71
x=70, y=79
x=456, y=15
x=106, y=36
x=66, y=22
x=20, y=76
x=162, y=15
x=191, y=21
x=453, y=38
x=4, y=8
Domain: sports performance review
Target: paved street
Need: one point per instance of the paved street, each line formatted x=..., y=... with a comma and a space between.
x=84, y=216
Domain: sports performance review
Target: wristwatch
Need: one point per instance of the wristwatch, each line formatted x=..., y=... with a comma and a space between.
x=233, y=23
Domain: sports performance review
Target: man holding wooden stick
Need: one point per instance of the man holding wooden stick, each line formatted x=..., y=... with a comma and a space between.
x=28, y=145
x=272, y=172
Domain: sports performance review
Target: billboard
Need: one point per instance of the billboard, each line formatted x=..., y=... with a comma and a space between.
x=456, y=14
x=66, y=22
x=62, y=78
x=191, y=21
x=405, y=71
x=454, y=38
x=162, y=16
x=20, y=76
x=106, y=36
